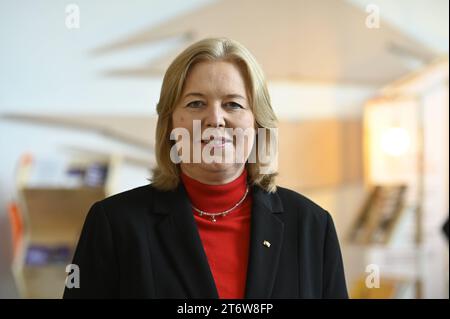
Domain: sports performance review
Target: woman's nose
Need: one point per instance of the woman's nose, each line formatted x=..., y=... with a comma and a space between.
x=214, y=116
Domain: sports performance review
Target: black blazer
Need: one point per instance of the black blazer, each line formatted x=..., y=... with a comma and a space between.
x=144, y=243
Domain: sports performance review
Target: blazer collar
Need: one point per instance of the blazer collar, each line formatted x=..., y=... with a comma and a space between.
x=180, y=237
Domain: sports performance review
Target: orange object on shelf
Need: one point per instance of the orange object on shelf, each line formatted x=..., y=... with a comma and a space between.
x=16, y=225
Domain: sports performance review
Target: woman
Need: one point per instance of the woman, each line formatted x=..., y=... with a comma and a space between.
x=208, y=227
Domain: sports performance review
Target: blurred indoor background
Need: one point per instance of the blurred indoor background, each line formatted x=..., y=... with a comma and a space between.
x=360, y=88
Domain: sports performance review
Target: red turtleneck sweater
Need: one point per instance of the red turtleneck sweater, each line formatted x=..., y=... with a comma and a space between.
x=226, y=241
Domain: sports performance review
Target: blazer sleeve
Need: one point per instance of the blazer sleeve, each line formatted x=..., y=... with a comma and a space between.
x=334, y=286
x=95, y=257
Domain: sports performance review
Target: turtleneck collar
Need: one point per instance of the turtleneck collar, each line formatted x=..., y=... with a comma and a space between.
x=215, y=198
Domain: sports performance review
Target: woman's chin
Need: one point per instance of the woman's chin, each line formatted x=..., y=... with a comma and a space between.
x=217, y=167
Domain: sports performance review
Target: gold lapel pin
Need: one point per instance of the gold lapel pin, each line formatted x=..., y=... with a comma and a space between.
x=266, y=243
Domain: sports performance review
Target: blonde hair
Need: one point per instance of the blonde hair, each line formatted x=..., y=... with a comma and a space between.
x=166, y=173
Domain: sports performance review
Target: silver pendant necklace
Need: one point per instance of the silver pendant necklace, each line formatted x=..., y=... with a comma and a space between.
x=224, y=213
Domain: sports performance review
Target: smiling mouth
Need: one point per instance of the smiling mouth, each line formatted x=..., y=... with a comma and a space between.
x=216, y=142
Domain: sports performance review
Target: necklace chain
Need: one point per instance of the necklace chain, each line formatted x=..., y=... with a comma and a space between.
x=224, y=213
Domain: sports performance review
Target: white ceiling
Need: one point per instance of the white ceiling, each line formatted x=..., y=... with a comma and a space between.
x=43, y=63
x=427, y=21
x=302, y=40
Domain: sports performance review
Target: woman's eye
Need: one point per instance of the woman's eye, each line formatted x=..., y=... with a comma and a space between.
x=233, y=105
x=195, y=104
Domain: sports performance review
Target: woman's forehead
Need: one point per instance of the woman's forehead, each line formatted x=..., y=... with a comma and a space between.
x=222, y=78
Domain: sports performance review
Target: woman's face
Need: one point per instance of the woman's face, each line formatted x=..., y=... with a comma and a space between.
x=215, y=94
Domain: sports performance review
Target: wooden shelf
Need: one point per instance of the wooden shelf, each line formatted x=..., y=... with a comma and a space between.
x=55, y=215
x=53, y=218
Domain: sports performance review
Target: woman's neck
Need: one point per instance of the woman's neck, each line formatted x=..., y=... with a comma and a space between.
x=212, y=177
x=215, y=198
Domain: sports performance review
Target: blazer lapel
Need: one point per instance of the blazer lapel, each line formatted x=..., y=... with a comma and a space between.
x=266, y=239
x=181, y=239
